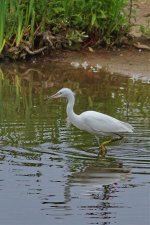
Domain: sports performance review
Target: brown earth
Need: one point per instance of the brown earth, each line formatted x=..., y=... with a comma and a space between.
x=141, y=15
x=130, y=62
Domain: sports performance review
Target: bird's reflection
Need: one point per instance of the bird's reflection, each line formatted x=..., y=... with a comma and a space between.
x=97, y=180
x=101, y=173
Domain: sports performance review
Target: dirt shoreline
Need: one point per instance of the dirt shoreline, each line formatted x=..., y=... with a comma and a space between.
x=130, y=62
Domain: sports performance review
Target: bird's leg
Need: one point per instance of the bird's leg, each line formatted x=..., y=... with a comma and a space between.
x=97, y=138
x=103, y=149
x=117, y=138
x=113, y=140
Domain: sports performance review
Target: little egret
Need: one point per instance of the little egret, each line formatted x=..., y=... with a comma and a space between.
x=96, y=123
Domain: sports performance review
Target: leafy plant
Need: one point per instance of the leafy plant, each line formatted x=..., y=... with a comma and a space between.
x=145, y=29
x=75, y=36
x=21, y=21
x=20, y=28
x=3, y=8
x=104, y=19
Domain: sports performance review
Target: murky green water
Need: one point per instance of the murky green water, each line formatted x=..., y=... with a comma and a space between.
x=50, y=174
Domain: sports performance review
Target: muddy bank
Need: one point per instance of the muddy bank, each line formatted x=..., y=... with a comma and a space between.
x=130, y=62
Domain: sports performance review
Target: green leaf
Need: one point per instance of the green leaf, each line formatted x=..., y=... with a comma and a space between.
x=93, y=19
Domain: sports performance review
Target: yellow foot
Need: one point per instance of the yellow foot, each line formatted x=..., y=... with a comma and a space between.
x=102, y=151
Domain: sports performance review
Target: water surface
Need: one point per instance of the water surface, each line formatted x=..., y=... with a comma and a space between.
x=51, y=173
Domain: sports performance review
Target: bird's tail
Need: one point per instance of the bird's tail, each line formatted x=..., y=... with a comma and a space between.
x=128, y=126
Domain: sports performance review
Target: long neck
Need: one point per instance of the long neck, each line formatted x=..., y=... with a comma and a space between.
x=70, y=105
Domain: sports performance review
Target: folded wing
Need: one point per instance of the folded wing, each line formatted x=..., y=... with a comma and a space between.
x=101, y=123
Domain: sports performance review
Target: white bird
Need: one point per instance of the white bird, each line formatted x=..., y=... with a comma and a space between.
x=96, y=123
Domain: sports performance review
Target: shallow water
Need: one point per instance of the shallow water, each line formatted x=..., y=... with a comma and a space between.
x=51, y=173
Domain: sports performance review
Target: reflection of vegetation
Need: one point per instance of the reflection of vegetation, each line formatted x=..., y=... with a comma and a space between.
x=11, y=96
x=17, y=108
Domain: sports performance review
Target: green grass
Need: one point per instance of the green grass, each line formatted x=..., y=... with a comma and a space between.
x=3, y=8
x=145, y=29
x=22, y=20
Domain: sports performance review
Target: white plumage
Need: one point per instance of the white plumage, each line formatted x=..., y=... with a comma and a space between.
x=93, y=122
x=99, y=123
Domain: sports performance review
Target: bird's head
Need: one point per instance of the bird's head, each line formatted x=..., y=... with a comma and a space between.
x=64, y=92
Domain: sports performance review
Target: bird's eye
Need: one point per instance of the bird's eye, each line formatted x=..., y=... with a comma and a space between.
x=60, y=92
